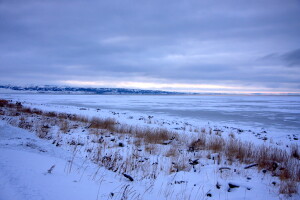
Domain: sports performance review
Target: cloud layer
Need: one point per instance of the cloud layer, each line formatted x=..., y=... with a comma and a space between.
x=232, y=44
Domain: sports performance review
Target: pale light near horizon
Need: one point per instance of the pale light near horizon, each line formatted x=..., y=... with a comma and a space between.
x=177, y=87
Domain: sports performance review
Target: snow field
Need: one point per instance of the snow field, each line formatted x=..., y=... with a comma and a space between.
x=162, y=166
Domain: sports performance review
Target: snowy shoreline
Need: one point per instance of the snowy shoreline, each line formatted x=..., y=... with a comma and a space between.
x=183, y=125
x=250, y=181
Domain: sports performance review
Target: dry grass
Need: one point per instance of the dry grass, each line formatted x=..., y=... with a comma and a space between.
x=98, y=123
x=151, y=148
x=94, y=131
x=284, y=174
x=3, y=103
x=281, y=163
x=78, y=118
x=157, y=136
x=243, y=151
x=37, y=111
x=112, y=161
x=172, y=152
x=267, y=156
x=24, y=110
x=124, y=128
x=290, y=170
x=98, y=154
x=24, y=124
x=41, y=132
x=198, y=144
x=216, y=144
x=64, y=126
x=181, y=163
x=288, y=187
x=232, y=149
x=295, y=152
x=137, y=142
x=50, y=114
x=153, y=136
x=62, y=116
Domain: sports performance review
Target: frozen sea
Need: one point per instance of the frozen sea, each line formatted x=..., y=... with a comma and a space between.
x=272, y=113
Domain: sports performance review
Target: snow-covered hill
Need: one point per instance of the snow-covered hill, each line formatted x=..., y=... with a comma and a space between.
x=82, y=90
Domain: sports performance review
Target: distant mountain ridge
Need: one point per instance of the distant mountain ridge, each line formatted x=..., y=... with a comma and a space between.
x=54, y=89
x=85, y=90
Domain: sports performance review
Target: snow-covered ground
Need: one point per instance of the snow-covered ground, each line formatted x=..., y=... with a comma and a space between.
x=25, y=159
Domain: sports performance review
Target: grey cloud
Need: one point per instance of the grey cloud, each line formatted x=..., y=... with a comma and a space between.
x=292, y=58
x=288, y=59
x=217, y=41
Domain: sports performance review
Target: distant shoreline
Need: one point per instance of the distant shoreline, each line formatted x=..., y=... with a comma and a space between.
x=68, y=90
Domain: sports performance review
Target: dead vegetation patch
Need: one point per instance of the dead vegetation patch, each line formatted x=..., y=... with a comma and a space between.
x=288, y=187
x=98, y=123
x=216, y=144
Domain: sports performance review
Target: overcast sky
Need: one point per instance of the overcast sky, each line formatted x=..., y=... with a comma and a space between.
x=195, y=45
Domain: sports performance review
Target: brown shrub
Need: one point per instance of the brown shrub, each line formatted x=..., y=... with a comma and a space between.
x=216, y=144
x=141, y=132
x=198, y=144
x=41, y=132
x=62, y=115
x=154, y=136
x=3, y=102
x=64, y=126
x=151, y=148
x=266, y=157
x=123, y=128
x=80, y=118
x=288, y=187
x=172, y=152
x=285, y=174
x=95, y=131
x=295, y=153
x=243, y=151
x=37, y=111
x=11, y=105
x=24, y=124
x=181, y=163
x=50, y=114
x=99, y=123
x=137, y=142
x=290, y=170
x=232, y=149
x=263, y=157
x=25, y=110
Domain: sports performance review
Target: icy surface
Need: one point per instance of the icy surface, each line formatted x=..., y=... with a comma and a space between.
x=280, y=114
